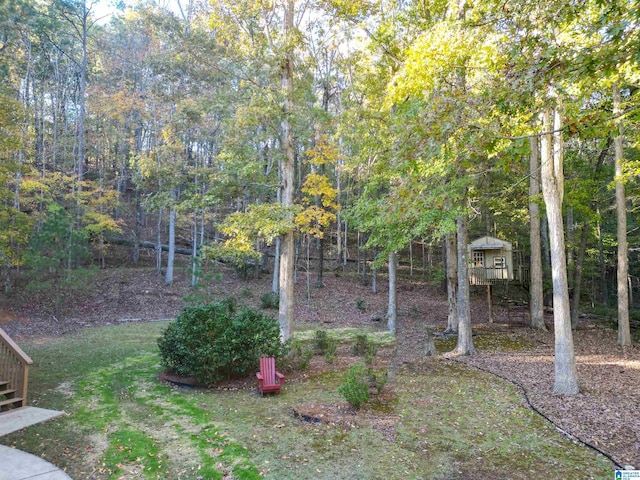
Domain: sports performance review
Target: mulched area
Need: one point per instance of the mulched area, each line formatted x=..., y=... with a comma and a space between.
x=605, y=413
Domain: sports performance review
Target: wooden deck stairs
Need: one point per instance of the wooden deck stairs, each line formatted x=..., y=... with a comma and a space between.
x=14, y=379
x=14, y=374
x=8, y=398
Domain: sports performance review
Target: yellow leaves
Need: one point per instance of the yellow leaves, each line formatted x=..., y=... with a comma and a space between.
x=313, y=220
x=439, y=56
x=318, y=185
x=98, y=223
x=11, y=118
x=170, y=137
x=31, y=184
x=242, y=229
x=318, y=190
x=325, y=152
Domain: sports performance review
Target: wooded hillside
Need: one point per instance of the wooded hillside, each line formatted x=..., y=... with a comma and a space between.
x=301, y=135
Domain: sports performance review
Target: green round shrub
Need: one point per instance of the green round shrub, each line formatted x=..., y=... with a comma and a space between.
x=355, y=386
x=215, y=341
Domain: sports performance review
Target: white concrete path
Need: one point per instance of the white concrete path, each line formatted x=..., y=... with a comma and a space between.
x=18, y=465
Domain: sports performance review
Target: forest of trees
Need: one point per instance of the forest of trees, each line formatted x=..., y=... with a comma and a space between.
x=224, y=128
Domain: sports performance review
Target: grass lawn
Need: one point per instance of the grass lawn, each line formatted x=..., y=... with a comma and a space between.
x=450, y=422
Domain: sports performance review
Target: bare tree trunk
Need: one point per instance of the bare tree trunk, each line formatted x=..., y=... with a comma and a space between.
x=136, y=231
x=465, y=339
x=285, y=309
x=287, y=256
x=604, y=291
x=345, y=250
x=452, y=283
x=159, y=244
x=544, y=236
x=392, y=311
x=490, y=303
x=374, y=274
x=569, y=248
x=82, y=102
x=171, y=255
x=411, y=258
x=566, y=378
x=276, y=268
x=577, y=276
x=320, y=254
x=374, y=280
x=624, y=332
x=363, y=251
x=194, y=258
x=338, y=220
x=536, y=293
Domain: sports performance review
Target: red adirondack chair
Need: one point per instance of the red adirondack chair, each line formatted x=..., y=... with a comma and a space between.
x=268, y=379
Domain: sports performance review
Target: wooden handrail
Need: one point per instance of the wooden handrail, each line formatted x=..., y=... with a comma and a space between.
x=14, y=366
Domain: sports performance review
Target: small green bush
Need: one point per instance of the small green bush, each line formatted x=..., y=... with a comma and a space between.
x=321, y=341
x=360, y=345
x=330, y=353
x=216, y=341
x=360, y=305
x=269, y=300
x=364, y=347
x=299, y=357
x=355, y=387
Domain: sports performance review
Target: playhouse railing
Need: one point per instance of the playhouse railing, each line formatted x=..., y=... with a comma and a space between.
x=487, y=275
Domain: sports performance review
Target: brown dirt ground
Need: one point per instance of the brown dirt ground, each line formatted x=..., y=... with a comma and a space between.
x=604, y=414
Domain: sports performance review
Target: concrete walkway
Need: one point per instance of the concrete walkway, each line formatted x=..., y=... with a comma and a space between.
x=20, y=418
x=19, y=465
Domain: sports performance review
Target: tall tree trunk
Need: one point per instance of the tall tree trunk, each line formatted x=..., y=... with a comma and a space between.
x=536, y=292
x=171, y=255
x=320, y=270
x=137, y=229
x=392, y=311
x=411, y=258
x=452, y=283
x=604, y=290
x=287, y=255
x=275, y=284
x=544, y=236
x=374, y=273
x=624, y=332
x=465, y=339
x=577, y=276
x=159, y=244
x=194, y=257
x=569, y=248
x=338, y=220
x=363, y=251
x=566, y=378
x=82, y=30
x=374, y=280
x=345, y=248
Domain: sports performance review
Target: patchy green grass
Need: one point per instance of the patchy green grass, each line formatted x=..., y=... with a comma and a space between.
x=348, y=335
x=448, y=422
x=487, y=340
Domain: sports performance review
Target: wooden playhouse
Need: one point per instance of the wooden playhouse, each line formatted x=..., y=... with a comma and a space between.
x=490, y=261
